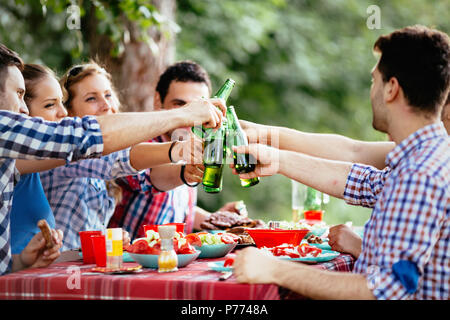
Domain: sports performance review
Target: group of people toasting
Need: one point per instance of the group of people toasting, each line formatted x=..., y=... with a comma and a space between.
x=68, y=155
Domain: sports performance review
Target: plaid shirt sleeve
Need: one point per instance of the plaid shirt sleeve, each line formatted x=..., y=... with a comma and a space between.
x=141, y=182
x=23, y=137
x=410, y=221
x=33, y=138
x=364, y=184
x=108, y=167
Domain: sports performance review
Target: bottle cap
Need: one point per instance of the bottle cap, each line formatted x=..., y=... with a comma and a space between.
x=166, y=232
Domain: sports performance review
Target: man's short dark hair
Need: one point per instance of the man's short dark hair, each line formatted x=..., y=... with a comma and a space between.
x=8, y=58
x=419, y=58
x=183, y=71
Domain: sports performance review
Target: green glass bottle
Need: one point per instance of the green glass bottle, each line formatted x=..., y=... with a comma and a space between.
x=214, y=148
x=313, y=199
x=243, y=163
x=224, y=92
x=213, y=156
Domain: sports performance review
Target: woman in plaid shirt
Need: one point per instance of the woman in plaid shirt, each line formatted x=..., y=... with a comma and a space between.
x=406, y=240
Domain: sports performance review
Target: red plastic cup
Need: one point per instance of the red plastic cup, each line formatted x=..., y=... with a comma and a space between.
x=316, y=215
x=99, y=246
x=86, y=245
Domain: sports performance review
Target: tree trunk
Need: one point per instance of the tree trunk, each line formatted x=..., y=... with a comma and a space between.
x=135, y=73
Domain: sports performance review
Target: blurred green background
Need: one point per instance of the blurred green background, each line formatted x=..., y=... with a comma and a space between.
x=303, y=64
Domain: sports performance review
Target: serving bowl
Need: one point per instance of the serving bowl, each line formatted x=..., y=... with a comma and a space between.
x=209, y=251
x=272, y=237
x=151, y=260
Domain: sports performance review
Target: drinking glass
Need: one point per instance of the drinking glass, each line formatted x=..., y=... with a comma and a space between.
x=298, y=199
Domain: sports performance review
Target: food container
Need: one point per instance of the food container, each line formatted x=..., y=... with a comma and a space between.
x=271, y=238
x=151, y=260
x=209, y=251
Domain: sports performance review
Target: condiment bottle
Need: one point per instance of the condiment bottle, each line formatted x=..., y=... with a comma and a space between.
x=167, y=260
x=114, y=248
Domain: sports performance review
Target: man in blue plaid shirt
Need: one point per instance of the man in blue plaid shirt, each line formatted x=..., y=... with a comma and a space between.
x=71, y=139
x=405, y=250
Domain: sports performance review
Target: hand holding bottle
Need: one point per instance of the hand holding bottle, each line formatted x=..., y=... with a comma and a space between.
x=209, y=112
x=193, y=173
x=189, y=151
x=243, y=163
x=268, y=160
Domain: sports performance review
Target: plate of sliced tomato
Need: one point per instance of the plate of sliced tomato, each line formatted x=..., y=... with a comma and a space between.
x=324, y=256
x=324, y=245
x=303, y=252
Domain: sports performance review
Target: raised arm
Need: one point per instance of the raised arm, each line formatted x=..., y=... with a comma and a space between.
x=124, y=129
x=22, y=137
x=30, y=166
x=139, y=157
x=118, y=132
x=322, y=145
x=328, y=176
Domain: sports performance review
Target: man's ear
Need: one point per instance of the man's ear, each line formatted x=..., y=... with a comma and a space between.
x=157, y=103
x=391, y=90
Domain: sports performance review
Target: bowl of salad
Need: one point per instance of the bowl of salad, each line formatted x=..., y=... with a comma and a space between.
x=145, y=251
x=213, y=245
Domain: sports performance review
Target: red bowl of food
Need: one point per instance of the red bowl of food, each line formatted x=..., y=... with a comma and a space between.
x=274, y=237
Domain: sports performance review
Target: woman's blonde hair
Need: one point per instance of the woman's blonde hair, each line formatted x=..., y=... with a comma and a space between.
x=68, y=80
x=79, y=72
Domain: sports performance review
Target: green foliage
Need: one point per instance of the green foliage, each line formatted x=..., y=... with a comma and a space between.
x=39, y=31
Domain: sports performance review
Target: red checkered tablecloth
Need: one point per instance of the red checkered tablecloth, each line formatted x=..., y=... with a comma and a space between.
x=74, y=280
